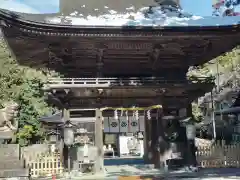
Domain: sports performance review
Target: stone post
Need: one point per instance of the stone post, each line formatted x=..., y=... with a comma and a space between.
x=99, y=167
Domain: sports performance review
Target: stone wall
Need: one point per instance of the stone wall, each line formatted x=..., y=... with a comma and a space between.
x=34, y=149
x=11, y=166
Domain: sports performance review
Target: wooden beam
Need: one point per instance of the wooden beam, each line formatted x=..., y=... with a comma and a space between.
x=130, y=98
x=107, y=85
x=128, y=103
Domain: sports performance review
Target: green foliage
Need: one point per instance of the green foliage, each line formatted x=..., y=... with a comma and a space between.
x=23, y=85
x=229, y=59
x=196, y=79
x=197, y=112
x=226, y=64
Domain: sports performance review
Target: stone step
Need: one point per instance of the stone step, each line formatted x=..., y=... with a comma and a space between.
x=13, y=173
x=11, y=164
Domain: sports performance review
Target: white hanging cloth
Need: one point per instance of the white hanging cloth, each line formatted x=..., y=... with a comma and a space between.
x=123, y=120
x=133, y=124
x=106, y=124
x=114, y=125
x=141, y=123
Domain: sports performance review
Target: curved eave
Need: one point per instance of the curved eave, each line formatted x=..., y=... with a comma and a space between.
x=32, y=41
x=29, y=22
x=56, y=118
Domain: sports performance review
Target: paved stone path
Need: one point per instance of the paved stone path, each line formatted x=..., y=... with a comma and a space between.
x=162, y=178
x=121, y=173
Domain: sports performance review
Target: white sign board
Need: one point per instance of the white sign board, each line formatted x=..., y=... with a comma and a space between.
x=123, y=143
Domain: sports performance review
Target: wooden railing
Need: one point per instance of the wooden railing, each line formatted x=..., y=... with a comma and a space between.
x=219, y=155
x=106, y=82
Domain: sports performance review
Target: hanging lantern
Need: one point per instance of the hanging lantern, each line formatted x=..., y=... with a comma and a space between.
x=190, y=131
x=68, y=133
x=52, y=138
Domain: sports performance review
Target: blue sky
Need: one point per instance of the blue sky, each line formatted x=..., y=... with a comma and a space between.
x=31, y=6
x=199, y=7
x=196, y=7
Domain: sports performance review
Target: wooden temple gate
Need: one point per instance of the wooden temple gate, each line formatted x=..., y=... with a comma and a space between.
x=149, y=66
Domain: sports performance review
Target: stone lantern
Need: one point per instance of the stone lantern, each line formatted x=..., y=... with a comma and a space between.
x=53, y=137
x=190, y=131
x=68, y=139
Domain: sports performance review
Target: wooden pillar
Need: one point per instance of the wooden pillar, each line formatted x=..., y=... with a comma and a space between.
x=61, y=146
x=189, y=110
x=147, y=138
x=99, y=166
x=154, y=139
x=65, y=150
x=154, y=129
